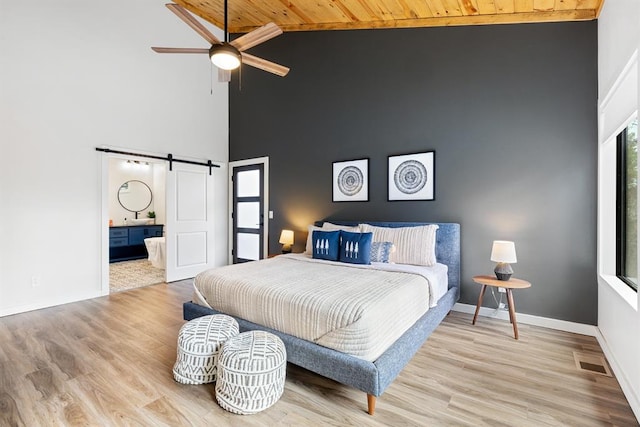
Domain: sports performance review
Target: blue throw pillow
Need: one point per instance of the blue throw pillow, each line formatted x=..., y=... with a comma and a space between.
x=326, y=245
x=355, y=248
x=380, y=251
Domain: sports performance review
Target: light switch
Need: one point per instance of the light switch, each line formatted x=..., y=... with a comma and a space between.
x=270, y=214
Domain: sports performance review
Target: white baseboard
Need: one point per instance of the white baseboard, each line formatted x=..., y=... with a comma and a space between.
x=528, y=319
x=625, y=384
x=46, y=304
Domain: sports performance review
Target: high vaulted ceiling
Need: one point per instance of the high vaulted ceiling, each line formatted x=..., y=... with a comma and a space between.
x=306, y=15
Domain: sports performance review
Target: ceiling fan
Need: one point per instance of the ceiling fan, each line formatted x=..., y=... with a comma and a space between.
x=227, y=55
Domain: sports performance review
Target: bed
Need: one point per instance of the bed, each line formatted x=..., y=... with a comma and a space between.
x=372, y=376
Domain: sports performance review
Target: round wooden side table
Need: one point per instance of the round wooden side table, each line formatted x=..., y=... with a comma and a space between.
x=509, y=286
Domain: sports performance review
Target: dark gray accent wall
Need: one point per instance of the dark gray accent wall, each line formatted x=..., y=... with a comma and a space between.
x=510, y=111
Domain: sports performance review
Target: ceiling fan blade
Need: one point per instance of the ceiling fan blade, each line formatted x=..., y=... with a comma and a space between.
x=179, y=50
x=257, y=36
x=191, y=21
x=264, y=65
x=224, y=76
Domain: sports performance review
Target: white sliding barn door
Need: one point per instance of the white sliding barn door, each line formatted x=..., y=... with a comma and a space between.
x=189, y=228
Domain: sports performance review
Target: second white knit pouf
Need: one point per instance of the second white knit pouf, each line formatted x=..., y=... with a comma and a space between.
x=251, y=371
x=199, y=343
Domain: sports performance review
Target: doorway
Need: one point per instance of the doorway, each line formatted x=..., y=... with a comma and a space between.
x=185, y=216
x=136, y=211
x=248, y=191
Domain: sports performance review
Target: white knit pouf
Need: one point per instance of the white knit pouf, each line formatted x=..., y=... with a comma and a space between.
x=199, y=343
x=251, y=371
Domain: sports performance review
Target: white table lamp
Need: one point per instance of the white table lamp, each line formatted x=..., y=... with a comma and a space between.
x=286, y=238
x=503, y=252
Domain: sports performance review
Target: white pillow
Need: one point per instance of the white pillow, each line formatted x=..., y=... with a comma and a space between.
x=414, y=245
x=332, y=227
x=309, y=247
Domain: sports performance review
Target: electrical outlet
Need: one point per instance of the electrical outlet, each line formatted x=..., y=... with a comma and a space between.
x=502, y=290
x=501, y=306
x=35, y=281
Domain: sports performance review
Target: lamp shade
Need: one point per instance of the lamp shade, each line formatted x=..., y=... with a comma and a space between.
x=503, y=251
x=286, y=237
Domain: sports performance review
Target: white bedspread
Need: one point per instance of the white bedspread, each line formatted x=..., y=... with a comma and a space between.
x=359, y=310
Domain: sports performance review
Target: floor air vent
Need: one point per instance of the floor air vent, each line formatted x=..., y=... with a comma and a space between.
x=591, y=363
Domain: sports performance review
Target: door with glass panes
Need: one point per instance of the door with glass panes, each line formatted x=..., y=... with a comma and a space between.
x=248, y=212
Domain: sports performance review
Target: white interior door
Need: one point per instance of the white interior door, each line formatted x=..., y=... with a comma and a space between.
x=189, y=228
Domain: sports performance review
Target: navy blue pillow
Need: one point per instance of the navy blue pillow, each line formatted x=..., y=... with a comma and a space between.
x=355, y=248
x=326, y=244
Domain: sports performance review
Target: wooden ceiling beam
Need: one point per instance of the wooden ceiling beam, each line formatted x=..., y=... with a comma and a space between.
x=446, y=21
x=318, y=15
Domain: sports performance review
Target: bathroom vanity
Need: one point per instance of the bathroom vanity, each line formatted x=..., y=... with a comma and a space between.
x=127, y=242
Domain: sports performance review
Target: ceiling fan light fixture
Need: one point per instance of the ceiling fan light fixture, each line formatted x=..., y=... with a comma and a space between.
x=225, y=56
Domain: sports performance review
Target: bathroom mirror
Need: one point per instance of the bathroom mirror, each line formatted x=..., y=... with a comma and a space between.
x=135, y=196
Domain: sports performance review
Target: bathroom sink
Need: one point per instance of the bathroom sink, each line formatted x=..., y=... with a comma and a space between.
x=140, y=221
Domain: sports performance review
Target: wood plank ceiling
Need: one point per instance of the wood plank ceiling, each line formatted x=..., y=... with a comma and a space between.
x=307, y=15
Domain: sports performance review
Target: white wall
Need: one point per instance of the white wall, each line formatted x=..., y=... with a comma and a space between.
x=617, y=40
x=75, y=75
x=618, y=316
x=121, y=171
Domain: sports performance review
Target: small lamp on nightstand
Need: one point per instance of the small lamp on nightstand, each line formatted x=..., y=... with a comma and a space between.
x=286, y=238
x=503, y=252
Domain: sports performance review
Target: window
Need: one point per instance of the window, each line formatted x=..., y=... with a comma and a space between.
x=627, y=205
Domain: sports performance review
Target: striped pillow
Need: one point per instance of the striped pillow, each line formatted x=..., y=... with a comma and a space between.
x=414, y=245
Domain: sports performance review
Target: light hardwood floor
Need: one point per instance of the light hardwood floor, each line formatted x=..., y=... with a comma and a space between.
x=108, y=361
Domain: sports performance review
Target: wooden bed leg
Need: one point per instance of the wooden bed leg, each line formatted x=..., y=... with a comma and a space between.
x=371, y=403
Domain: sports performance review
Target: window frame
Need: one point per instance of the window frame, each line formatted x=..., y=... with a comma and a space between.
x=621, y=206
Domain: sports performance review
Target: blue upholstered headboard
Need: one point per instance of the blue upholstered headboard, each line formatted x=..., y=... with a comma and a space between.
x=447, y=242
